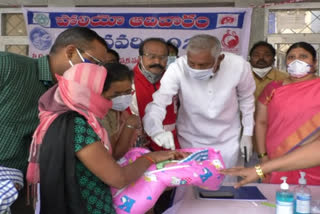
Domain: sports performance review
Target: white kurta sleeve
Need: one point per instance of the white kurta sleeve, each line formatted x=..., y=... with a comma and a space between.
x=245, y=90
x=155, y=111
x=134, y=104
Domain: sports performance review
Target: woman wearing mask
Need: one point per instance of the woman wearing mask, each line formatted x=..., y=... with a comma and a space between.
x=122, y=127
x=71, y=152
x=288, y=113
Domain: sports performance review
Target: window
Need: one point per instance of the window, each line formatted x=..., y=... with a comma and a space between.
x=18, y=49
x=293, y=23
x=13, y=24
x=13, y=37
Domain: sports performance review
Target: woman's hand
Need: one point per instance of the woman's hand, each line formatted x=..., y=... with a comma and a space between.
x=248, y=174
x=264, y=159
x=160, y=156
x=133, y=121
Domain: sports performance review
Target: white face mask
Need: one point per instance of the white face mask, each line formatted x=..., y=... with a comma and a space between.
x=122, y=102
x=198, y=74
x=261, y=72
x=298, y=68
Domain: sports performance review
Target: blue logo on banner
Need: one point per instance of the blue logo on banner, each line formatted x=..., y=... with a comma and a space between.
x=40, y=38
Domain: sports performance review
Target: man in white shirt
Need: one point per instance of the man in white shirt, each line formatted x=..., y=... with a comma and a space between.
x=213, y=89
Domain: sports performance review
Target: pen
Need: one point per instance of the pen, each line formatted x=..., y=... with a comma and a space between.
x=268, y=204
x=254, y=203
x=245, y=154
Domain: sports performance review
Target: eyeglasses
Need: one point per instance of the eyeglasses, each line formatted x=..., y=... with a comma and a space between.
x=128, y=92
x=131, y=91
x=96, y=61
x=154, y=56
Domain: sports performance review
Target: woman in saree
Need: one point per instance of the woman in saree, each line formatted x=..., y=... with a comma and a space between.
x=288, y=113
x=71, y=155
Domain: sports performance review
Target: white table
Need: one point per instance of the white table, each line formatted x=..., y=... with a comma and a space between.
x=190, y=205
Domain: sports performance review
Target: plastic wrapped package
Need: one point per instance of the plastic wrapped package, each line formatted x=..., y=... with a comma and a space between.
x=200, y=169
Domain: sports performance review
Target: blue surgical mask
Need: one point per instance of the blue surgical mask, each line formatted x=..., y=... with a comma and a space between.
x=82, y=58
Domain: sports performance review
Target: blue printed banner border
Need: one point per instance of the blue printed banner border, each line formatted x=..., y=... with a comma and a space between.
x=172, y=21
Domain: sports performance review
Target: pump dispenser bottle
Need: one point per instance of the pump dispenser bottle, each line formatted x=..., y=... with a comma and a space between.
x=302, y=196
x=284, y=199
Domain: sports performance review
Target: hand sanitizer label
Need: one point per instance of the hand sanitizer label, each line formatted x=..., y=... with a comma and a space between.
x=303, y=203
x=284, y=207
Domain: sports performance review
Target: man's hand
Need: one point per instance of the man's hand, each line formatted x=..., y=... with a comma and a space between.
x=165, y=140
x=246, y=147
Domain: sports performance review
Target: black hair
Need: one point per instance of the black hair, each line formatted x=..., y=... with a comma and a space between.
x=308, y=47
x=79, y=36
x=265, y=44
x=152, y=39
x=114, y=53
x=170, y=44
x=116, y=72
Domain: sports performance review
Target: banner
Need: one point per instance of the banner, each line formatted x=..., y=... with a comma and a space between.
x=125, y=28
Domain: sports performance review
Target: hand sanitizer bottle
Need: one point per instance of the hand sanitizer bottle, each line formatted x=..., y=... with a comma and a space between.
x=302, y=196
x=284, y=199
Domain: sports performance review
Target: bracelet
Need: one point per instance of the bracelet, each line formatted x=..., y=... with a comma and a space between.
x=259, y=171
x=149, y=159
x=261, y=155
x=130, y=126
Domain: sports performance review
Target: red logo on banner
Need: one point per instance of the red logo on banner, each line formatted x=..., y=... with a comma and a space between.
x=227, y=20
x=230, y=39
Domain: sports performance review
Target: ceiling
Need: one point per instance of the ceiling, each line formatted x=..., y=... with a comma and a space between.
x=170, y=3
x=83, y=3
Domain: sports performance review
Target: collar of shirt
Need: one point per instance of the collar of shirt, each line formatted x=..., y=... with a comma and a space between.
x=272, y=74
x=44, y=71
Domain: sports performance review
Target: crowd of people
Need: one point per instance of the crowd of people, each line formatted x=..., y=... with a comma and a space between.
x=68, y=117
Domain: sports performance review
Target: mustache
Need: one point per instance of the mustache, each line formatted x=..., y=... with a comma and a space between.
x=156, y=66
x=261, y=61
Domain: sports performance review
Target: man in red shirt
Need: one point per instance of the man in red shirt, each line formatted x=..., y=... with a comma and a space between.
x=153, y=56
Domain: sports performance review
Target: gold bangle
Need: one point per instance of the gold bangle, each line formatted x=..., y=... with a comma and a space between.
x=261, y=155
x=259, y=171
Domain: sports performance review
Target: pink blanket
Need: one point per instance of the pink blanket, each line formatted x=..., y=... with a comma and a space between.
x=199, y=169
